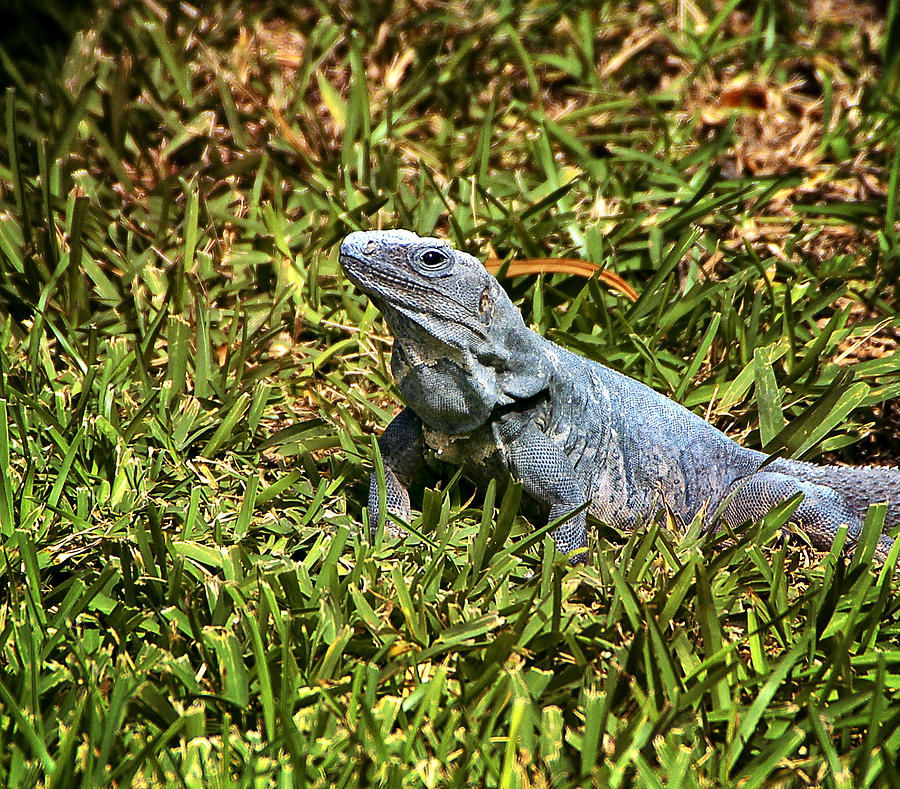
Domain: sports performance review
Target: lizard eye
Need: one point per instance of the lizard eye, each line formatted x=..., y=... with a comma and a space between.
x=433, y=259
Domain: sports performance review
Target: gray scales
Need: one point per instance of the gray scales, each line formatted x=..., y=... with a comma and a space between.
x=485, y=391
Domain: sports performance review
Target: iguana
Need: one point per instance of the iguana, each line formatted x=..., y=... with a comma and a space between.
x=484, y=390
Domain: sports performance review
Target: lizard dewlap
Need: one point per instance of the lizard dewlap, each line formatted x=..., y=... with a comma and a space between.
x=484, y=390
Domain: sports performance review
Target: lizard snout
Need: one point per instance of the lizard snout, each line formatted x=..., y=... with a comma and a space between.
x=362, y=244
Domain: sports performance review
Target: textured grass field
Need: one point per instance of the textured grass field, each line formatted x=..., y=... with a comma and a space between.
x=189, y=390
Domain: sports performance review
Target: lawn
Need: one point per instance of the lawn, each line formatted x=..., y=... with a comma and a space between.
x=189, y=390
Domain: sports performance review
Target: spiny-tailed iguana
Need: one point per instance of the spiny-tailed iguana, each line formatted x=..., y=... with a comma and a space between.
x=483, y=390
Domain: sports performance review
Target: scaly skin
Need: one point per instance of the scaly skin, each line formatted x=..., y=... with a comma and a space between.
x=485, y=391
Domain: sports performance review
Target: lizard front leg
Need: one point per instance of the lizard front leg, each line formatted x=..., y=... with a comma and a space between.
x=819, y=514
x=402, y=447
x=547, y=475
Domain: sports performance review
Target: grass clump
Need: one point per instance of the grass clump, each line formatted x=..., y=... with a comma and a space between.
x=188, y=388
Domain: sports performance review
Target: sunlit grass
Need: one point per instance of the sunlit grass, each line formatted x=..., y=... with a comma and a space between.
x=188, y=391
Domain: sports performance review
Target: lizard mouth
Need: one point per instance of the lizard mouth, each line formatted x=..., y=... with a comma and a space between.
x=352, y=268
x=389, y=290
x=373, y=280
x=376, y=282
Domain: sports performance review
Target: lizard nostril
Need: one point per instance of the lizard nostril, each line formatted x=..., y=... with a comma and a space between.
x=370, y=247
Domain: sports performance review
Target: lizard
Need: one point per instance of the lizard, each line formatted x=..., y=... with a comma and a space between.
x=485, y=391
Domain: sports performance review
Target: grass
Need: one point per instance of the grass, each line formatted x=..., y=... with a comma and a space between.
x=188, y=391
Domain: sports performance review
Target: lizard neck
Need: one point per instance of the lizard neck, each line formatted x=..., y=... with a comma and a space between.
x=454, y=379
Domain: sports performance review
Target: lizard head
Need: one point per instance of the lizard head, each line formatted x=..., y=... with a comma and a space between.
x=419, y=276
x=460, y=345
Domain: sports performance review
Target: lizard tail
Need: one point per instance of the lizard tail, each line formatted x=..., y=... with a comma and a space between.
x=859, y=485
